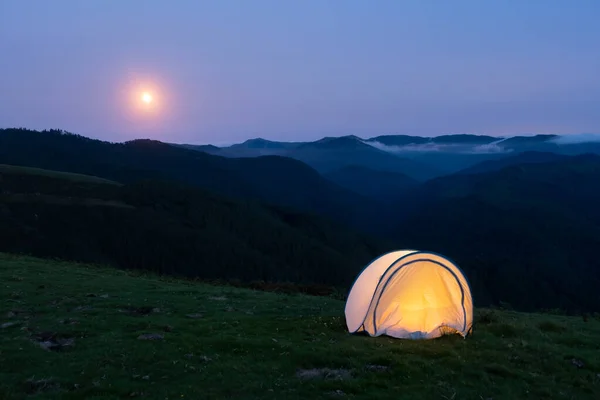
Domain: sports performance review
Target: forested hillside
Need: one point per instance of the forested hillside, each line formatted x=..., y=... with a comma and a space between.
x=170, y=228
x=271, y=179
x=525, y=234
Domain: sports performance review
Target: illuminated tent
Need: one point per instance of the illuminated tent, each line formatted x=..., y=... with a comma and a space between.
x=411, y=295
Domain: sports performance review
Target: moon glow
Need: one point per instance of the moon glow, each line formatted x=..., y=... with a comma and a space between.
x=147, y=97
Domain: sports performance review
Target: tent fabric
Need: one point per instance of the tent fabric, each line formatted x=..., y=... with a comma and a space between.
x=410, y=294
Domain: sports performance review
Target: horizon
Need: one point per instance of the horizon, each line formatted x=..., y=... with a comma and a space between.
x=222, y=72
x=571, y=138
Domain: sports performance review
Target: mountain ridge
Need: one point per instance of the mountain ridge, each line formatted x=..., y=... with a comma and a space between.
x=419, y=157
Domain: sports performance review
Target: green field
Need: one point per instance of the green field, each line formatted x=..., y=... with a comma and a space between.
x=71, y=331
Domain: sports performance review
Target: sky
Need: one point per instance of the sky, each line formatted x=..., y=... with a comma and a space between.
x=223, y=71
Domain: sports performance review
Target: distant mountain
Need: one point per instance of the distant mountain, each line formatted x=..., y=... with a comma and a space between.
x=260, y=143
x=464, y=139
x=271, y=179
x=350, y=142
x=522, y=229
x=398, y=140
x=207, y=148
x=381, y=185
x=525, y=142
x=403, y=140
x=452, y=153
x=421, y=158
x=527, y=157
x=330, y=154
x=258, y=147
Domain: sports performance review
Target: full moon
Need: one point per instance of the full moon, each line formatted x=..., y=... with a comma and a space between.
x=146, y=97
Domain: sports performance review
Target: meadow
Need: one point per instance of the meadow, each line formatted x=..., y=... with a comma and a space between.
x=75, y=331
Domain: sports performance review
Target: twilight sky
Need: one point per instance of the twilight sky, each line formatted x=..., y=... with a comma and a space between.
x=222, y=71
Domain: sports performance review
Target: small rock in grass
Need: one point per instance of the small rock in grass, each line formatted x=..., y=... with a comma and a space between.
x=327, y=373
x=8, y=325
x=577, y=363
x=69, y=321
x=195, y=316
x=41, y=385
x=56, y=344
x=377, y=367
x=151, y=336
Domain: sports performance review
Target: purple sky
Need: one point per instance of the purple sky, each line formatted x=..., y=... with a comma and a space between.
x=223, y=71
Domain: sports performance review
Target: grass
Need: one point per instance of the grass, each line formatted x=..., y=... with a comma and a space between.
x=225, y=342
x=18, y=170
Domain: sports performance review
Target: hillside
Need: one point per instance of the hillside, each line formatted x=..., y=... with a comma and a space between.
x=525, y=234
x=381, y=185
x=173, y=229
x=273, y=180
x=222, y=342
x=527, y=157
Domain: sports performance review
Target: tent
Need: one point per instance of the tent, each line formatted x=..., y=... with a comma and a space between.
x=410, y=294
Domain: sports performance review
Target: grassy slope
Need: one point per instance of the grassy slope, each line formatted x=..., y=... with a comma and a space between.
x=18, y=170
x=253, y=344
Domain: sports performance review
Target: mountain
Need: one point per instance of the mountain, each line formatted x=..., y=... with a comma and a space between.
x=173, y=229
x=404, y=140
x=523, y=143
x=464, y=139
x=271, y=179
x=398, y=140
x=331, y=154
x=420, y=158
x=258, y=147
x=206, y=148
x=521, y=158
x=260, y=143
x=452, y=153
x=523, y=229
x=381, y=185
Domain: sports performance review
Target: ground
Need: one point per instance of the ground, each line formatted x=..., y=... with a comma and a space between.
x=72, y=331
